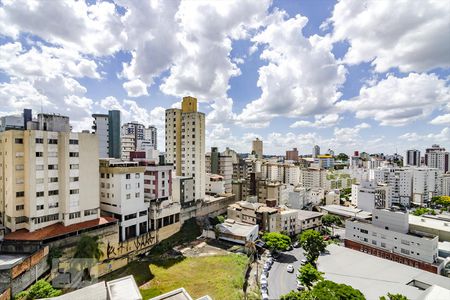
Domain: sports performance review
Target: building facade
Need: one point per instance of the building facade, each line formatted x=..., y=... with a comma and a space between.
x=185, y=143
x=412, y=158
x=257, y=148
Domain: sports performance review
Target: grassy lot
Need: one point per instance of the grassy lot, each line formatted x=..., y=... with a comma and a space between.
x=138, y=269
x=221, y=277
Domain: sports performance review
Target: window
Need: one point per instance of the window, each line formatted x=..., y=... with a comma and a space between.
x=137, y=175
x=74, y=192
x=128, y=196
x=374, y=242
x=130, y=216
x=74, y=179
x=39, y=167
x=40, y=207
x=73, y=142
x=53, y=193
x=39, y=141
x=128, y=176
x=142, y=213
x=53, y=141
x=102, y=175
x=73, y=154
x=20, y=207
x=404, y=251
x=74, y=167
x=18, y=141
x=53, y=205
x=364, y=231
x=19, y=167
x=74, y=215
x=39, y=194
x=404, y=242
x=45, y=219
x=89, y=212
x=127, y=186
x=39, y=154
x=383, y=245
x=18, y=180
x=53, y=167
x=137, y=195
x=53, y=179
x=21, y=219
x=20, y=194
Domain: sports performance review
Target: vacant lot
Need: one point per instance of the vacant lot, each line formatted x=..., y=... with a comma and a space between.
x=221, y=277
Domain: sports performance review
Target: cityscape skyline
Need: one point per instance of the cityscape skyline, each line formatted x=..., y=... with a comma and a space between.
x=330, y=91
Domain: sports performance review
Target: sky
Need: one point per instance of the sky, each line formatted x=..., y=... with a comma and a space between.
x=346, y=75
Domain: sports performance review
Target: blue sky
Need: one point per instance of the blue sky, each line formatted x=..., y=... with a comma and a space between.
x=350, y=75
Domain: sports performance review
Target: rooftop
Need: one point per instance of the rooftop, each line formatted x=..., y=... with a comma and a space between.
x=7, y=261
x=178, y=294
x=347, y=211
x=235, y=228
x=306, y=214
x=57, y=229
x=375, y=276
x=430, y=222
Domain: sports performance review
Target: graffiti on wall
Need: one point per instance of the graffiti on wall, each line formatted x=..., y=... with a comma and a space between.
x=141, y=242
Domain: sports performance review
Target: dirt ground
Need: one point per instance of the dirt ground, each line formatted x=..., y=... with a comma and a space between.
x=201, y=247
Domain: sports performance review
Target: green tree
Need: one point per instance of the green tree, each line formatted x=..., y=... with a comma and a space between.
x=330, y=220
x=342, y=156
x=312, y=242
x=422, y=210
x=41, y=289
x=220, y=219
x=277, y=241
x=88, y=247
x=326, y=290
x=308, y=275
x=394, y=297
x=330, y=290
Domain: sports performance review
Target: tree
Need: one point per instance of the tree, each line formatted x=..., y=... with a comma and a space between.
x=308, y=275
x=393, y=297
x=220, y=219
x=277, y=241
x=330, y=290
x=342, y=157
x=422, y=210
x=330, y=220
x=326, y=290
x=312, y=242
x=88, y=247
x=41, y=289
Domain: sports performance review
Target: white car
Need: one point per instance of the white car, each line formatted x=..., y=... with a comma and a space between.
x=290, y=269
x=300, y=287
x=304, y=261
x=265, y=296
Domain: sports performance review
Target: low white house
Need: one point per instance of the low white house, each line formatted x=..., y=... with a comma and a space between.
x=236, y=232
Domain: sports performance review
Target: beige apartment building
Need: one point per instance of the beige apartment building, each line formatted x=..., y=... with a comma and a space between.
x=48, y=177
x=185, y=143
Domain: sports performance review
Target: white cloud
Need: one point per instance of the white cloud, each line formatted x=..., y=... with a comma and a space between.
x=321, y=121
x=442, y=136
x=135, y=88
x=410, y=35
x=439, y=120
x=398, y=101
x=301, y=78
x=94, y=29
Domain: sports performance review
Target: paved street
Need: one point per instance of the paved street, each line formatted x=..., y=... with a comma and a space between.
x=281, y=282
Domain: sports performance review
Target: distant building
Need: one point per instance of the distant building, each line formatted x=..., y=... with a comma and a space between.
x=238, y=233
x=412, y=158
x=369, y=195
x=316, y=151
x=220, y=164
x=292, y=154
x=257, y=148
x=107, y=129
x=437, y=157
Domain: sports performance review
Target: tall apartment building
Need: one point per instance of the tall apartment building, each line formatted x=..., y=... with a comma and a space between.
x=135, y=137
x=369, y=195
x=292, y=154
x=221, y=164
x=48, y=175
x=185, y=143
x=445, y=191
x=122, y=196
x=15, y=122
x=107, y=129
x=257, y=148
x=128, y=145
x=412, y=158
x=316, y=151
x=400, y=181
x=426, y=184
x=437, y=157
x=313, y=178
x=389, y=237
x=151, y=134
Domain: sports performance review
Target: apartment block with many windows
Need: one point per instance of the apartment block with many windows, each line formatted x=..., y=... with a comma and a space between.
x=47, y=177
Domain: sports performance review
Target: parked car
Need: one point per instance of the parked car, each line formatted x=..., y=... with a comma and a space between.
x=263, y=277
x=264, y=296
x=326, y=237
x=263, y=283
x=296, y=245
x=270, y=261
x=290, y=269
x=300, y=287
x=303, y=261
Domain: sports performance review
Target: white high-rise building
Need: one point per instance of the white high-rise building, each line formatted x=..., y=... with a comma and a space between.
x=151, y=135
x=122, y=196
x=426, y=184
x=48, y=177
x=445, y=191
x=369, y=195
x=185, y=143
x=400, y=181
